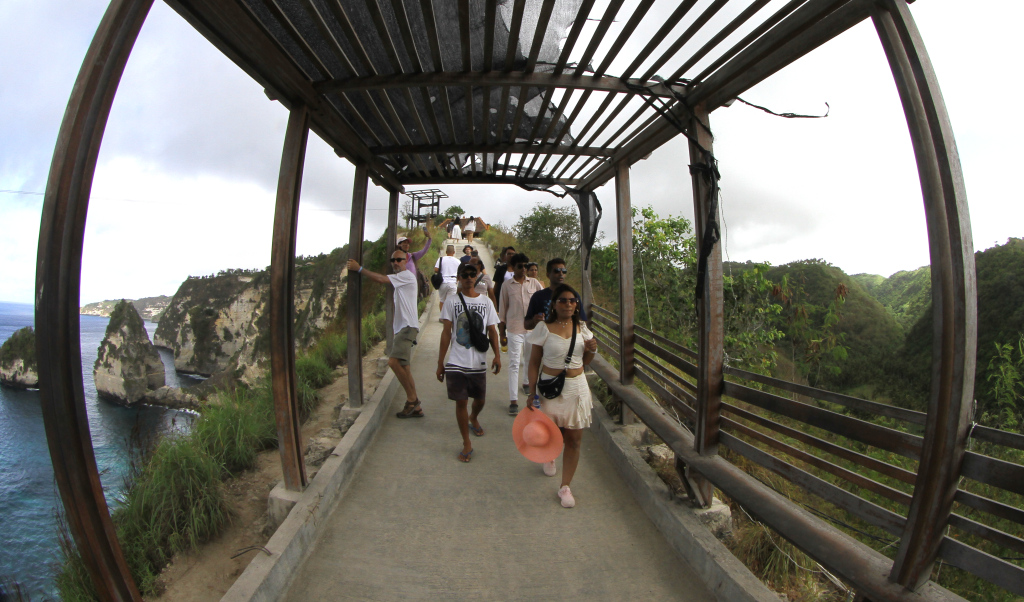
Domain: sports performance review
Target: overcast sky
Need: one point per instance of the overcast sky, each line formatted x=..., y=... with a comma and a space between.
x=187, y=173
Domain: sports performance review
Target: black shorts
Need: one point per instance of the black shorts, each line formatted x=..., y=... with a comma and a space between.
x=463, y=385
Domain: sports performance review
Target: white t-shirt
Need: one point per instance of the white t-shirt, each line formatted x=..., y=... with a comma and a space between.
x=405, y=300
x=463, y=356
x=449, y=265
x=470, y=226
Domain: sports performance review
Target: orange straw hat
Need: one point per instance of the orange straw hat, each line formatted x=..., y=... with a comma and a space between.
x=536, y=436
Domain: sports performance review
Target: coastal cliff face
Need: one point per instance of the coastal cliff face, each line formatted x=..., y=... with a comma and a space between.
x=150, y=308
x=218, y=323
x=127, y=365
x=18, y=360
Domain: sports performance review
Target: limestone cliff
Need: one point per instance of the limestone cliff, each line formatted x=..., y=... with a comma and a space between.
x=218, y=323
x=18, y=360
x=150, y=308
x=127, y=366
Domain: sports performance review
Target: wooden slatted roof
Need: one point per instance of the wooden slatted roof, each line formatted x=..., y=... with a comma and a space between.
x=537, y=93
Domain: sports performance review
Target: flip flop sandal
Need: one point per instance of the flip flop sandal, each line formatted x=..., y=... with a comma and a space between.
x=478, y=431
x=411, y=410
x=466, y=457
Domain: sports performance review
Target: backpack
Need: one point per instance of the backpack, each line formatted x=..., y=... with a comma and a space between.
x=477, y=336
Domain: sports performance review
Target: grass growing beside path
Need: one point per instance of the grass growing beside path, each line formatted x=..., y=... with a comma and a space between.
x=173, y=497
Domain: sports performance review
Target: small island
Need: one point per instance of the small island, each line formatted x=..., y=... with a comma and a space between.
x=18, y=368
x=127, y=366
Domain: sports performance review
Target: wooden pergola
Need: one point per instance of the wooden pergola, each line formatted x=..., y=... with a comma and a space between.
x=433, y=92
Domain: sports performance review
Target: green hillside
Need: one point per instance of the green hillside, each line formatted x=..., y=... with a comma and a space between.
x=865, y=329
x=906, y=294
x=1000, y=272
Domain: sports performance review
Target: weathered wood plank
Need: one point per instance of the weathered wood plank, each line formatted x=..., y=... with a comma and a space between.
x=58, y=283
x=354, y=289
x=282, y=304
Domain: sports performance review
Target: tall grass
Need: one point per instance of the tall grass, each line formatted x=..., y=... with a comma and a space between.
x=236, y=428
x=10, y=591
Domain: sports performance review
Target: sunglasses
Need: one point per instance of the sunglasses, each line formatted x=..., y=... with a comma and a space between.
x=565, y=300
x=394, y=259
x=469, y=274
x=560, y=270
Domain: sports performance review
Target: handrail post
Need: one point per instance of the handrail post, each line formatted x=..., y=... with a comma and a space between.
x=710, y=319
x=282, y=302
x=58, y=284
x=389, y=300
x=624, y=217
x=710, y=327
x=954, y=292
x=354, y=288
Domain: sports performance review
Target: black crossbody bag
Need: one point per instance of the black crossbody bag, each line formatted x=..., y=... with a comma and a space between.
x=552, y=388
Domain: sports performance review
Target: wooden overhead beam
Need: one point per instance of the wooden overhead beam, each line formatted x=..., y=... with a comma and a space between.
x=643, y=144
x=494, y=78
x=537, y=149
x=230, y=27
x=805, y=29
x=489, y=179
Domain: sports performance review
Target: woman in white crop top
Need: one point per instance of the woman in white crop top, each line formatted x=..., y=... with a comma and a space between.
x=570, y=410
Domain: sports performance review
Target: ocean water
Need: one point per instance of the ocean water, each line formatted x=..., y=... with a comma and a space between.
x=28, y=498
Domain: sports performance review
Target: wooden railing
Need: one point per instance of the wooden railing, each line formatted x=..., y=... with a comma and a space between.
x=866, y=468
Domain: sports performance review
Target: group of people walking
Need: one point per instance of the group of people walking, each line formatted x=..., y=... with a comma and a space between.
x=542, y=330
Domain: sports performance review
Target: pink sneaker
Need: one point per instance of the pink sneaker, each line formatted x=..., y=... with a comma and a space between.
x=549, y=468
x=566, y=496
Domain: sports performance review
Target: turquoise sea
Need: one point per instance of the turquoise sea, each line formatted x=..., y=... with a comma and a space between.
x=28, y=498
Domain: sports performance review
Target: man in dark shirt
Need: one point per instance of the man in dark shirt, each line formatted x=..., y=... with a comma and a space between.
x=501, y=269
x=540, y=302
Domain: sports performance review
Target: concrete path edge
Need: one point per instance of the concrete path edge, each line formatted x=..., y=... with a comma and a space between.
x=268, y=577
x=720, y=570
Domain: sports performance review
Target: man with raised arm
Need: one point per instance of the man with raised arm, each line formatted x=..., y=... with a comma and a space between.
x=406, y=325
x=403, y=243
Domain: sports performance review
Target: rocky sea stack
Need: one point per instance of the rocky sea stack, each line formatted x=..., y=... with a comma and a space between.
x=18, y=360
x=127, y=364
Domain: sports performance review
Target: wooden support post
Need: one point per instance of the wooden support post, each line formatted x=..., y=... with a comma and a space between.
x=282, y=302
x=389, y=299
x=355, y=288
x=624, y=217
x=710, y=327
x=954, y=293
x=58, y=283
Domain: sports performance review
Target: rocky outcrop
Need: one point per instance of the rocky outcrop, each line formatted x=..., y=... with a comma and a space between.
x=127, y=366
x=18, y=360
x=220, y=323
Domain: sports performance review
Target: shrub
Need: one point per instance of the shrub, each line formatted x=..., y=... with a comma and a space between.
x=172, y=505
x=313, y=369
x=333, y=348
x=236, y=427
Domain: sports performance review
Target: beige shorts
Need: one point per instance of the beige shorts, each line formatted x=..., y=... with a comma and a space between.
x=447, y=289
x=401, y=349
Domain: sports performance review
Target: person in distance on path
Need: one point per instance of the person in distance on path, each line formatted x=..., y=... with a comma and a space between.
x=466, y=368
x=470, y=229
x=515, y=298
x=467, y=254
x=570, y=411
x=540, y=303
x=484, y=284
x=448, y=267
x=406, y=324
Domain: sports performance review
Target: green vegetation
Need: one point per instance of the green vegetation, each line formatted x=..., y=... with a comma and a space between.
x=863, y=335
x=21, y=345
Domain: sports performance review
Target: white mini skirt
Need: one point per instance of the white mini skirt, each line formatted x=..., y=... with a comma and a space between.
x=571, y=409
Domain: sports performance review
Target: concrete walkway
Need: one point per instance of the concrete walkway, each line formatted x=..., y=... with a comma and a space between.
x=417, y=524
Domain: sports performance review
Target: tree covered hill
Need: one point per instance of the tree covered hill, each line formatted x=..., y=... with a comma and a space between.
x=811, y=292
x=1000, y=273
x=906, y=294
